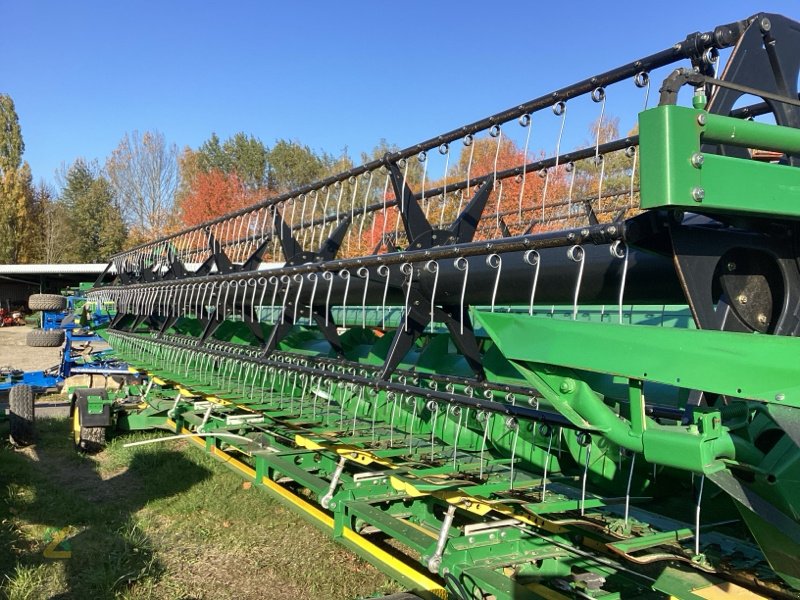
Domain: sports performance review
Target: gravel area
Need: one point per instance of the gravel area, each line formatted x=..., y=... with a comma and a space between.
x=15, y=353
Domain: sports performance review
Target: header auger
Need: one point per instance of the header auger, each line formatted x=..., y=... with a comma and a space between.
x=574, y=376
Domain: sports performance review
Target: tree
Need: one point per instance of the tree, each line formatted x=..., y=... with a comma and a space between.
x=51, y=220
x=15, y=187
x=213, y=194
x=143, y=172
x=243, y=155
x=94, y=219
x=292, y=165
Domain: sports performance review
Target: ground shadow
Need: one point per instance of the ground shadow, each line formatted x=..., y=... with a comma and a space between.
x=108, y=551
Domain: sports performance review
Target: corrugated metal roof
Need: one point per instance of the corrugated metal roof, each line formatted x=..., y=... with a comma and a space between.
x=88, y=269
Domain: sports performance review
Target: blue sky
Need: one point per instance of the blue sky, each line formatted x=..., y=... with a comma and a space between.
x=329, y=74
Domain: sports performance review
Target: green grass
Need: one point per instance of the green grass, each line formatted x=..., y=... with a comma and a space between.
x=157, y=521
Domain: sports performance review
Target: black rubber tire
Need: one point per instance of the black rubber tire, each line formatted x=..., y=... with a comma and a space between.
x=21, y=415
x=45, y=338
x=87, y=439
x=93, y=439
x=47, y=302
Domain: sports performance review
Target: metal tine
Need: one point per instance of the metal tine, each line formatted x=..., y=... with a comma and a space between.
x=545, y=429
x=363, y=272
x=299, y=279
x=353, y=182
x=468, y=142
x=393, y=397
x=322, y=225
x=697, y=516
x=276, y=239
x=303, y=231
x=496, y=131
x=444, y=150
x=456, y=411
x=293, y=203
x=462, y=264
x=344, y=388
x=485, y=418
x=495, y=261
x=433, y=267
x=311, y=217
x=599, y=95
x=376, y=395
x=527, y=122
x=401, y=201
x=384, y=271
x=273, y=280
x=313, y=277
x=422, y=157
x=338, y=212
x=619, y=250
x=513, y=425
x=345, y=274
x=358, y=405
x=628, y=488
x=407, y=269
x=498, y=229
x=305, y=379
x=330, y=400
x=433, y=408
x=328, y=275
x=585, y=440
x=385, y=200
x=366, y=200
x=577, y=254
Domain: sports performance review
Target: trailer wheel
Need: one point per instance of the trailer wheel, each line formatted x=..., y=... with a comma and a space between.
x=21, y=417
x=47, y=302
x=86, y=439
x=45, y=338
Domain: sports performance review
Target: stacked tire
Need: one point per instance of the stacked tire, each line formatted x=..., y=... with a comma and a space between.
x=46, y=338
x=47, y=302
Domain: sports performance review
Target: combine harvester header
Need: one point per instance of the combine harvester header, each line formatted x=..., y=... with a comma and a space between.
x=498, y=377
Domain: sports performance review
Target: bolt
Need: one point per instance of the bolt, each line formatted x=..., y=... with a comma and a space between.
x=731, y=266
x=471, y=539
x=762, y=319
x=742, y=299
x=567, y=386
x=612, y=230
x=698, y=194
x=697, y=160
x=780, y=397
x=701, y=119
x=765, y=25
